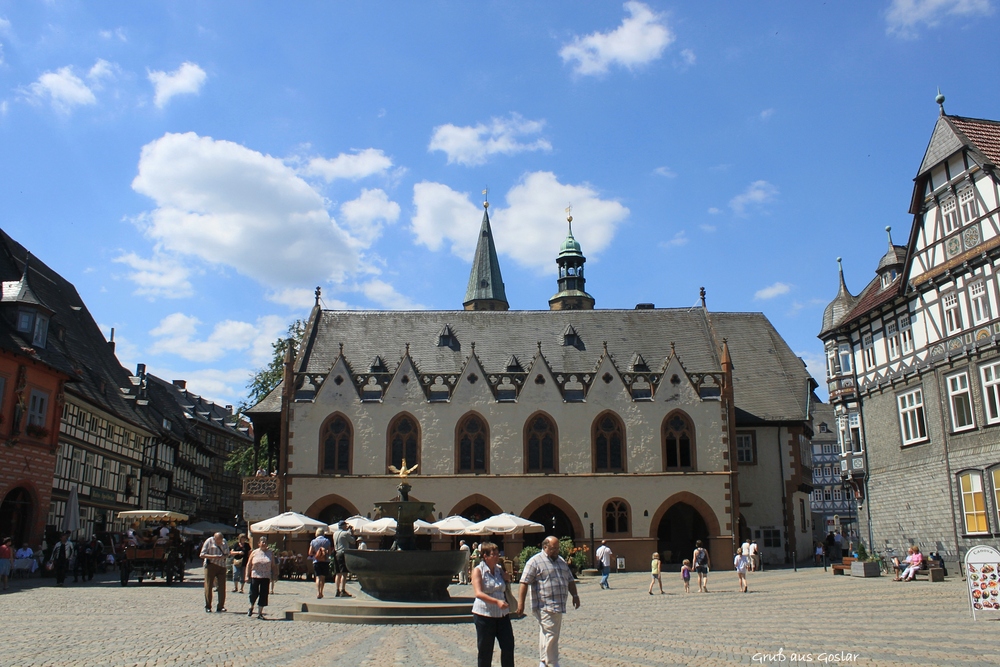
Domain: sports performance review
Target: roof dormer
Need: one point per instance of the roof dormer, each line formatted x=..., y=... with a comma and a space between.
x=31, y=315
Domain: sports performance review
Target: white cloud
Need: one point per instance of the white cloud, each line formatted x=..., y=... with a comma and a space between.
x=3, y=108
x=816, y=366
x=757, y=194
x=185, y=80
x=688, y=57
x=386, y=296
x=903, y=16
x=640, y=39
x=293, y=297
x=63, y=89
x=101, y=70
x=766, y=113
x=4, y=25
x=117, y=33
x=771, y=291
x=473, y=145
x=678, y=239
x=707, y=228
x=666, y=172
x=363, y=217
x=231, y=206
x=532, y=225
x=221, y=386
x=714, y=211
x=353, y=166
x=176, y=335
x=159, y=276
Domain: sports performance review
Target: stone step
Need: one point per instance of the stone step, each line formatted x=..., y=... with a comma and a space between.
x=377, y=620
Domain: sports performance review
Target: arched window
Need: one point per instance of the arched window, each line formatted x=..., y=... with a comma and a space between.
x=337, y=440
x=541, y=445
x=609, y=443
x=678, y=443
x=616, y=518
x=471, y=443
x=404, y=441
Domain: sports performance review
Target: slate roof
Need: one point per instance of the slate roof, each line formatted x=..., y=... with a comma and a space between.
x=771, y=382
x=485, y=281
x=74, y=343
x=187, y=411
x=951, y=133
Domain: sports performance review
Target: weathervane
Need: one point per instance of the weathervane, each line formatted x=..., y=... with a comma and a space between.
x=486, y=197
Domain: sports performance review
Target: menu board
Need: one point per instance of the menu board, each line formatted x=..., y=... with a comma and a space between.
x=982, y=572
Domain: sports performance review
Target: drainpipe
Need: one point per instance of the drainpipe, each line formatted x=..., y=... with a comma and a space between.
x=784, y=494
x=947, y=465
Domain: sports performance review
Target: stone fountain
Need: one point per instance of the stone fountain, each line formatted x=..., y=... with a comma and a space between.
x=404, y=574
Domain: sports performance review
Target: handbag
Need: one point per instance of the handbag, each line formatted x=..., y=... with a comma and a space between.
x=49, y=566
x=511, y=602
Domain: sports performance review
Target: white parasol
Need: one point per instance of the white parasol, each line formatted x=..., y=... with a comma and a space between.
x=383, y=526
x=503, y=524
x=71, y=520
x=289, y=522
x=421, y=527
x=453, y=525
x=357, y=522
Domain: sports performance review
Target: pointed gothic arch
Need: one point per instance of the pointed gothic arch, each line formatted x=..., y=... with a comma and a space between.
x=472, y=444
x=679, y=522
x=543, y=509
x=617, y=516
x=402, y=441
x=474, y=502
x=677, y=436
x=541, y=444
x=608, y=443
x=336, y=445
x=331, y=507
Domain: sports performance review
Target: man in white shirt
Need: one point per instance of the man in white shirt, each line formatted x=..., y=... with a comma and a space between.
x=214, y=551
x=463, y=576
x=603, y=555
x=754, y=556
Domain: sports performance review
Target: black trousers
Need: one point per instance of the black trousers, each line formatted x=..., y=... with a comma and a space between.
x=490, y=630
x=258, y=591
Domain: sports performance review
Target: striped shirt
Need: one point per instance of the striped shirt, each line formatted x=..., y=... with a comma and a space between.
x=213, y=553
x=549, y=579
x=493, y=585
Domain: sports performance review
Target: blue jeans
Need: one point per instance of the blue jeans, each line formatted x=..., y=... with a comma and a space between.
x=605, y=571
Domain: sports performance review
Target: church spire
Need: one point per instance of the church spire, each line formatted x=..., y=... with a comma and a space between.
x=571, y=295
x=485, y=290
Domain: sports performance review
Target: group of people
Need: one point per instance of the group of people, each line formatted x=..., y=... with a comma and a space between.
x=83, y=560
x=320, y=550
x=551, y=582
x=256, y=566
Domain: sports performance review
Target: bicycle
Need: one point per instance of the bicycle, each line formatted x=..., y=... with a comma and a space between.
x=886, y=561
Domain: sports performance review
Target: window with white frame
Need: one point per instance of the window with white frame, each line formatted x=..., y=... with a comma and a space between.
x=905, y=335
x=891, y=340
x=827, y=494
x=978, y=302
x=838, y=494
x=845, y=358
x=746, y=450
x=949, y=214
x=973, y=502
x=866, y=343
x=818, y=495
x=967, y=202
x=854, y=424
x=827, y=471
x=952, y=313
x=991, y=392
x=831, y=362
x=827, y=449
x=911, y=416
x=960, y=401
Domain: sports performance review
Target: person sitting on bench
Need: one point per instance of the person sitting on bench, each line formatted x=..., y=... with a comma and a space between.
x=915, y=560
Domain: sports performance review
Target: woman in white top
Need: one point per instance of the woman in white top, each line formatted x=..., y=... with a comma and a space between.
x=742, y=562
x=490, y=610
x=260, y=564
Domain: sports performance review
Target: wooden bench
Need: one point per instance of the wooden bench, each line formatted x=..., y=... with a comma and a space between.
x=843, y=567
x=931, y=574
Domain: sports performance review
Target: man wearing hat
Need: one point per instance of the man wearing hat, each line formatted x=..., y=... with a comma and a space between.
x=343, y=539
x=319, y=552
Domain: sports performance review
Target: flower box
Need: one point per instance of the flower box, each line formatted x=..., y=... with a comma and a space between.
x=865, y=569
x=36, y=431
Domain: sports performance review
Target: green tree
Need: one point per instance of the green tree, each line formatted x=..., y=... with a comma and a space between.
x=241, y=460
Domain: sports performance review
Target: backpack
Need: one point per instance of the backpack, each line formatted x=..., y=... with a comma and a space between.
x=700, y=558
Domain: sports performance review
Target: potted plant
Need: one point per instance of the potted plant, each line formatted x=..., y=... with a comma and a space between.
x=865, y=565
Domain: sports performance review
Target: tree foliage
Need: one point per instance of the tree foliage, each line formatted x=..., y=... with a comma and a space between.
x=263, y=382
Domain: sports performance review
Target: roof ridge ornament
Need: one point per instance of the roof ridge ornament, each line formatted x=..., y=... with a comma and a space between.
x=940, y=101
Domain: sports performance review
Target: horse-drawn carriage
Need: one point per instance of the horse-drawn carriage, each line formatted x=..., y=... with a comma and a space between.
x=146, y=557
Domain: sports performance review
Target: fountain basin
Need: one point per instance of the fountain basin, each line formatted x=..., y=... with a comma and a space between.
x=406, y=576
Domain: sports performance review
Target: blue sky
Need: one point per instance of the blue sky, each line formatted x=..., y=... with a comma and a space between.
x=197, y=169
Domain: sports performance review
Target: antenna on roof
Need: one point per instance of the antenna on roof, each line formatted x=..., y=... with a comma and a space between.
x=940, y=100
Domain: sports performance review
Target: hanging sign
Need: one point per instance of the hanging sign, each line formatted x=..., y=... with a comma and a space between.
x=982, y=572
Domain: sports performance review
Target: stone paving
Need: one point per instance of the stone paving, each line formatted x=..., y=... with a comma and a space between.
x=788, y=617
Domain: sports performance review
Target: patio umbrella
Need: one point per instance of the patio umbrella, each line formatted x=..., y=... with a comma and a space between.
x=289, y=522
x=71, y=519
x=357, y=522
x=503, y=524
x=421, y=527
x=453, y=525
x=383, y=526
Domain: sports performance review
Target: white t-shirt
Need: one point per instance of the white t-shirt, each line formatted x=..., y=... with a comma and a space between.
x=745, y=549
x=604, y=555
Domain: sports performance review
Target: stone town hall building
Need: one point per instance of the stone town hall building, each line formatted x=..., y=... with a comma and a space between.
x=913, y=363
x=651, y=428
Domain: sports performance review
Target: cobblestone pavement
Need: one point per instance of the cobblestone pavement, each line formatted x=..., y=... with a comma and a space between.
x=788, y=617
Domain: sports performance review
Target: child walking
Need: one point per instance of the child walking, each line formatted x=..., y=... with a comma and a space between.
x=741, y=562
x=686, y=575
x=654, y=569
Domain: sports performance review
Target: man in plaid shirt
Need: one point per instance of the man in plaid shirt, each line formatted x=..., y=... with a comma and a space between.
x=551, y=581
x=214, y=551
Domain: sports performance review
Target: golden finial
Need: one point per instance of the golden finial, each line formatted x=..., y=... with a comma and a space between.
x=569, y=213
x=486, y=197
x=403, y=472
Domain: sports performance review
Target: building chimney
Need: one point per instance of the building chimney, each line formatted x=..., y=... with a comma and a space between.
x=111, y=342
x=180, y=384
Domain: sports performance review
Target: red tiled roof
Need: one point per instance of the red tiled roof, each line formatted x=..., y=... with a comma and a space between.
x=872, y=297
x=984, y=134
